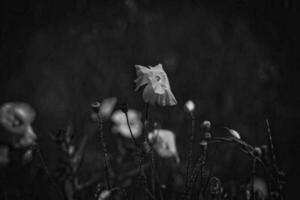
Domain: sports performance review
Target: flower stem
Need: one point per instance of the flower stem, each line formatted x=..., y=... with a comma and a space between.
x=273, y=157
x=147, y=112
x=53, y=183
x=153, y=172
x=190, y=153
x=253, y=176
x=105, y=153
x=202, y=167
x=131, y=134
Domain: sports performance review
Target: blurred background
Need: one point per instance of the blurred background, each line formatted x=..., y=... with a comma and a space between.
x=237, y=60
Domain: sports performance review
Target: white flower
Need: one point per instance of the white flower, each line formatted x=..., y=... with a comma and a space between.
x=164, y=143
x=16, y=118
x=157, y=88
x=234, y=133
x=189, y=106
x=121, y=126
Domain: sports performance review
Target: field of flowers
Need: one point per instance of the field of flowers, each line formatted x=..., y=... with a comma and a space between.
x=128, y=100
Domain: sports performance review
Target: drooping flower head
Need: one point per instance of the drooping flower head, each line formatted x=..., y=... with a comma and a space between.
x=121, y=126
x=163, y=141
x=157, y=88
x=16, y=119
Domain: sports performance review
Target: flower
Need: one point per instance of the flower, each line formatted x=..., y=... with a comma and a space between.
x=233, y=133
x=157, y=88
x=16, y=118
x=121, y=126
x=189, y=106
x=206, y=125
x=163, y=141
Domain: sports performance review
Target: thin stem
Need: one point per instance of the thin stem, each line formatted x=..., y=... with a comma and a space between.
x=147, y=112
x=105, y=153
x=273, y=156
x=273, y=159
x=48, y=173
x=248, y=150
x=253, y=176
x=202, y=168
x=131, y=134
x=153, y=172
x=191, y=181
x=190, y=153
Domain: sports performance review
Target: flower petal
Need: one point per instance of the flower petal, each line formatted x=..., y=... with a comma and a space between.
x=142, y=69
x=157, y=87
x=158, y=68
x=171, y=98
x=148, y=95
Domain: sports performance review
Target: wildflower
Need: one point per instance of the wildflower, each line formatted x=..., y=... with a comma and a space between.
x=121, y=126
x=233, y=133
x=189, y=106
x=157, y=88
x=16, y=118
x=163, y=141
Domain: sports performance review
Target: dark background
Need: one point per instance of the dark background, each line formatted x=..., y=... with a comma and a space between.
x=236, y=59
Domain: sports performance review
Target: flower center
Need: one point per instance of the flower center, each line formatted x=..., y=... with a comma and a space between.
x=157, y=78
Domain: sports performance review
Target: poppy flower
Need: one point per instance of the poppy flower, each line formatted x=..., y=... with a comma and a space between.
x=16, y=118
x=157, y=88
x=163, y=141
x=121, y=126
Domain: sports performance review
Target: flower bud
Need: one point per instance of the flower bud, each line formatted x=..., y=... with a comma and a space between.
x=124, y=107
x=96, y=106
x=203, y=144
x=257, y=152
x=207, y=135
x=233, y=133
x=206, y=125
x=189, y=106
x=27, y=157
